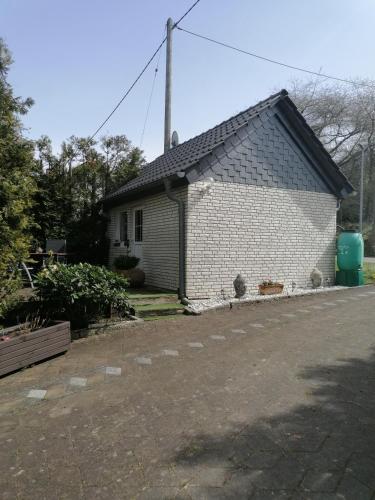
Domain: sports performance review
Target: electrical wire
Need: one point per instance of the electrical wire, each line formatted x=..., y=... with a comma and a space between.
x=273, y=61
x=129, y=90
x=149, y=102
x=186, y=13
x=140, y=74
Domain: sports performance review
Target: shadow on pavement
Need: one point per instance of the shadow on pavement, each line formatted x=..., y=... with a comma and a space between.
x=322, y=451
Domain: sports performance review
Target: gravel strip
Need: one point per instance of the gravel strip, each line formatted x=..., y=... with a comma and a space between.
x=218, y=302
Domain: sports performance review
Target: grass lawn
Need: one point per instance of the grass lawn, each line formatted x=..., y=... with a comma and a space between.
x=369, y=272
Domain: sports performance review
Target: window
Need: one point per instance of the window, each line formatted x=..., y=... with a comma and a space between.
x=138, y=225
x=124, y=226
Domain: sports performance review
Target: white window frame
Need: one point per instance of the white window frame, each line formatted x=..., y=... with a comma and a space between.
x=120, y=225
x=135, y=209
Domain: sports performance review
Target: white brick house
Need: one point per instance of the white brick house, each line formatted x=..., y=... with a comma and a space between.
x=255, y=195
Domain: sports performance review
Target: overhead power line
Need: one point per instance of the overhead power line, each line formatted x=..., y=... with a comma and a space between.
x=140, y=74
x=273, y=61
x=186, y=13
x=129, y=90
x=149, y=102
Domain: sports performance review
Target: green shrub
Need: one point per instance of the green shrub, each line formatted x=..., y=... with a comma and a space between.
x=17, y=311
x=7, y=306
x=369, y=272
x=124, y=262
x=80, y=293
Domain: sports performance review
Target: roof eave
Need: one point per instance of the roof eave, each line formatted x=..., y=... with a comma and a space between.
x=330, y=172
x=142, y=191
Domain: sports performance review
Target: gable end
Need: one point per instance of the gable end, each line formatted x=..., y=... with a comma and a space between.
x=263, y=153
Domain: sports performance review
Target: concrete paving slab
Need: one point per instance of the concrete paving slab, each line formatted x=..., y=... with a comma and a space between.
x=36, y=393
x=78, y=381
x=113, y=370
x=170, y=352
x=143, y=361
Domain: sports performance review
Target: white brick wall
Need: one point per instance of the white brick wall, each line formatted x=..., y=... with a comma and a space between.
x=260, y=232
x=160, y=237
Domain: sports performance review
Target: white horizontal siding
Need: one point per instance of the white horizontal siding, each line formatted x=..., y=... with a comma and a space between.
x=160, y=237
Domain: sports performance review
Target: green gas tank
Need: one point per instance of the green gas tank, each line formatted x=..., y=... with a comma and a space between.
x=350, y=251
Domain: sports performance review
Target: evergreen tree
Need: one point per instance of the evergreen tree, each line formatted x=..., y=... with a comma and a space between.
x=71, y=185
x=17, y=182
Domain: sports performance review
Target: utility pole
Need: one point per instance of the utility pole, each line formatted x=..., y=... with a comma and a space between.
x=168, y=88
x=361, y=188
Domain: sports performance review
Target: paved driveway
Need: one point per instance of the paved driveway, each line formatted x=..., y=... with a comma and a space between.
x=274, y=400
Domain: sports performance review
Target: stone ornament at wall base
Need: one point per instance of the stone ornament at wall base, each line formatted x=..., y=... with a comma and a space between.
x=239, y=286
x=316, y=278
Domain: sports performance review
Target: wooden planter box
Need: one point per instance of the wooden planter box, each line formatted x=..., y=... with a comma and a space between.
x=28, y=348
x=271, y=289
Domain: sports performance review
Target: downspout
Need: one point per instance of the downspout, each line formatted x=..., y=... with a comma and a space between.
x=181, y=240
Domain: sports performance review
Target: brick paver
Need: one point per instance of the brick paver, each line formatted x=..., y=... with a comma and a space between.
x=285, y=410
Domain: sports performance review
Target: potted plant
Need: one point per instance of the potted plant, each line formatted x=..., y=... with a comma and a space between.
x=126, y=265
x=269, y=287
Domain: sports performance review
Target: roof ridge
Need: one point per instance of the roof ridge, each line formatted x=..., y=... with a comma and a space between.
x=194, y=149
x=281, y=93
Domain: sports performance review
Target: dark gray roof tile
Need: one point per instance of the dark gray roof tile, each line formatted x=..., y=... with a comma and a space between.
x=190, y=152
x=266, y=158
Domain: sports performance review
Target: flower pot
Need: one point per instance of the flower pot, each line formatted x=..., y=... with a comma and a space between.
x=273, y=289
x=135, y=276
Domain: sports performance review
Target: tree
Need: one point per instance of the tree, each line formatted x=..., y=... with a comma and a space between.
x=71, y=185
x=122, y=161
x=17, y=181
x=343, y=117
x=51, y=208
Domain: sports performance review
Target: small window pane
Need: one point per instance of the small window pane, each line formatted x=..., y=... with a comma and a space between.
x=138, y=225
x=124, y=226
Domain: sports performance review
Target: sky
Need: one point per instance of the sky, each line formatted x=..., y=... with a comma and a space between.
x=76, y=58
